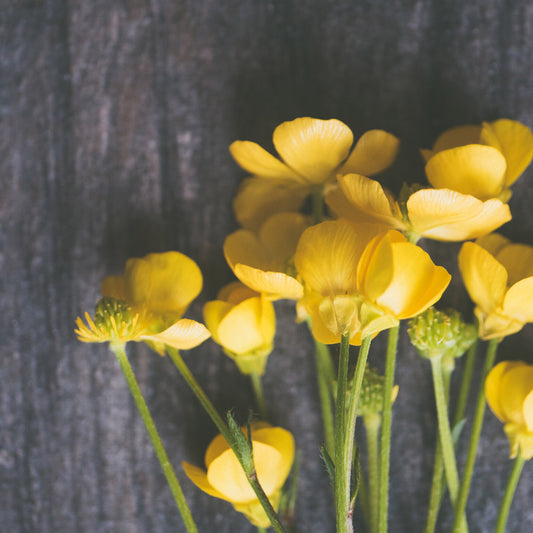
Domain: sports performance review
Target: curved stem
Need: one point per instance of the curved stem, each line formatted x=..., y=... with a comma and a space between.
x=509, y=493
x=445, y=436
x=372, y=426
x=223, y=428
x=466, y=382
x=325, y=380
x=120, y=352
x=257, y=386
x=477, y=424
x=386, y=418
x=342, y=463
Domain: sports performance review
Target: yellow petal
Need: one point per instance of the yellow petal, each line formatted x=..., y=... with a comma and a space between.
x=214, y=312
x=258, y=161
x=274, y=285
x=199, y=478
x=516, y=384
x=280, y=235
x=257, y=199
x=164, y=283
x=375, y=151
x=242, y=246
x=514, y=140
x=216, y=447
x=369, y=197
x=495, y=324
x=518, y=302
x=493, y=390
x=235, y=293
x=473, y=169
x=517, y=260
x=485, y=278
x=114, y=286
x=447, y=215
x=281, y=440
x=313, y=148
x=416, y=284
x=458, y=136
x=183, y=335
x=226, y=475
x=375, y=270
x=527, y=410
x=240, y=331
x=327, y=256
x=339, y=315
x=493, y=243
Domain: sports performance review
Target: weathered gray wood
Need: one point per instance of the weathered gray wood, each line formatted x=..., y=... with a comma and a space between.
x=115, y=120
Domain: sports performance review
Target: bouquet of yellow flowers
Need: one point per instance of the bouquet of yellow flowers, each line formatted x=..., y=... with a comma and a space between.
x=318, y=230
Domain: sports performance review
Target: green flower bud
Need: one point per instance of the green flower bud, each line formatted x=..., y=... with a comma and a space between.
x=371, y=399
x=441, y=334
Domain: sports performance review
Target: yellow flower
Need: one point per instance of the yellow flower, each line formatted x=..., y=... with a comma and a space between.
x=509, y=392
x=397, y=280
x=440, y=214
x=481, y=161
x=273, y=450
x=312, y=151
x=244, y=323
x=146, y=304
x=263, y=260
x=498, y=276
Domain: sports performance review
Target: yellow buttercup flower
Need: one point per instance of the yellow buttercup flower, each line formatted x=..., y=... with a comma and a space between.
x=273, y=452
x=263, y=261
x=482, y=161
x=312, y=151
x=244, y=323
x=509, y=392
x=498, y=276
x=440, y=214
x=397, y=280
x=146, y=304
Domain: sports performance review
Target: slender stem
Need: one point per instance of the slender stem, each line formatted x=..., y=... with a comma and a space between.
x=509, y=493
x=466, y=382
x=477, y=423
x=384, y=462
x=261, y=529
x=223, y=428
x=120, y=352
x=318, y=205
x=437, y=481
x=372, y=426
x=257, y=386
x=325, y=380
x=342, y=462
x=445, y=435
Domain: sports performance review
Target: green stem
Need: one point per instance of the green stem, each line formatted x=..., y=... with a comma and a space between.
x=477, y=424
x=466, y=382
x=509, y=493
x=257, y=386
x=445, y=435
x=342, y=462
x=372, y=426
x=386, y=418
x=120, y=351
x=325, y=381
x=261, y=529
x=223, y=428
x=437, y=480
x=318, y=205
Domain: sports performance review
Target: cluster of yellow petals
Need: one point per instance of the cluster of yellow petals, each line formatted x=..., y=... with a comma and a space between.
x=498, y=276
x=224, y=478
x=509, y=392
x=243, y=322
x=362, y=285
x=440, y=214
x=312, y=153
x=481, y=161
x=158, y=288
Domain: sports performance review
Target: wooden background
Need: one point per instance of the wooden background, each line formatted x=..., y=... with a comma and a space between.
x=115, y=118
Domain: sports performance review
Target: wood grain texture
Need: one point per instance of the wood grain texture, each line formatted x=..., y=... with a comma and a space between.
x=115, y=118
